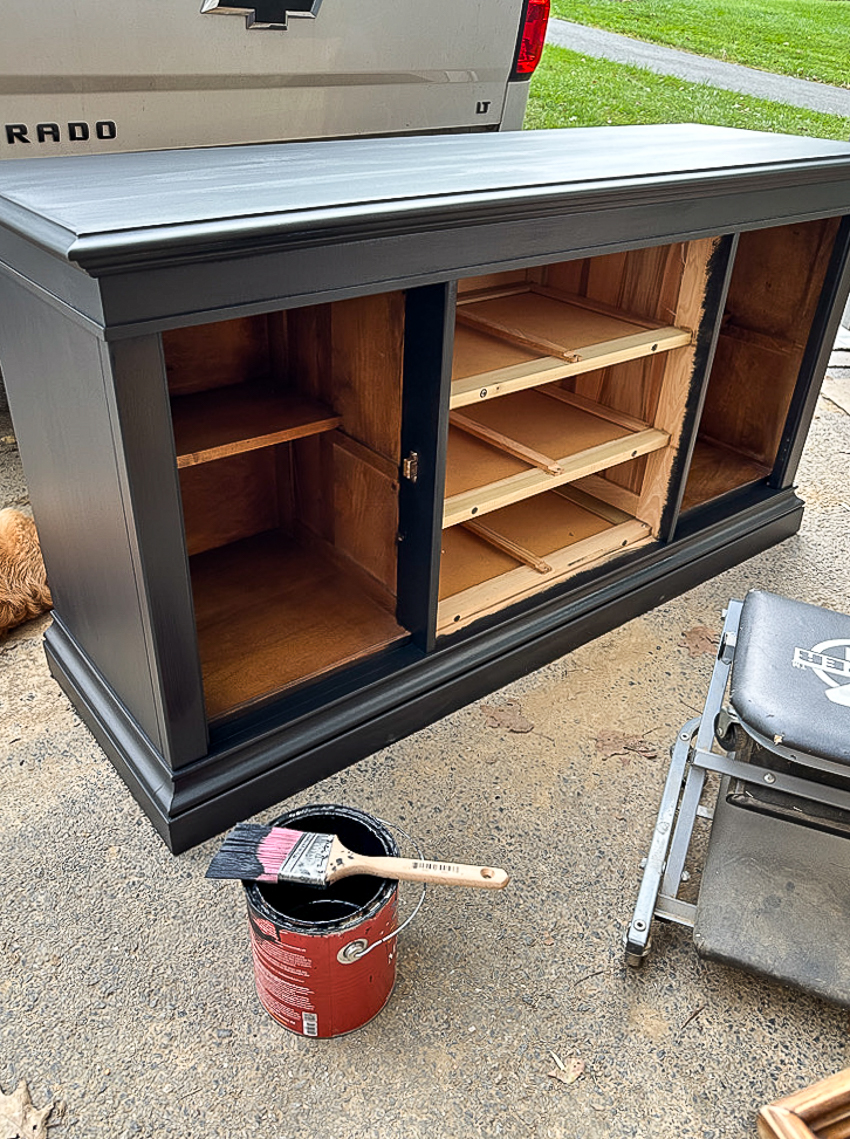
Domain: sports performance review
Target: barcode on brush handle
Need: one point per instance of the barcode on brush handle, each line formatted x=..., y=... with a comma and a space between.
x=441, y=867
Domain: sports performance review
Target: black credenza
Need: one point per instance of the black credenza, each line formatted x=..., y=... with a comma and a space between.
x=325, y=440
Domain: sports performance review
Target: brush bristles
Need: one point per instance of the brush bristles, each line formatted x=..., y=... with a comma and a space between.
x=253, y=852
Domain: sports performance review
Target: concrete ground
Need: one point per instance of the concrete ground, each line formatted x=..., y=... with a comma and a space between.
x=126, y=984
x=699, y=69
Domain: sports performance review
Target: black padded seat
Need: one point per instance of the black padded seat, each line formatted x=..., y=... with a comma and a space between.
x=791, y=676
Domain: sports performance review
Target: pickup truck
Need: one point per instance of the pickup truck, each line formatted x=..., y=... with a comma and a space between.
x=89, y=77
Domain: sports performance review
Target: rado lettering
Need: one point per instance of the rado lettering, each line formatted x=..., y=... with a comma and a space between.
x=104, y=130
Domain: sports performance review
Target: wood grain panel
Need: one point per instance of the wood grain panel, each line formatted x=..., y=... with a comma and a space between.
x=230, y=499
x=242, y=417
x=777, y=279
x=367, y=340
x=365, y=513
x=272, y=613
x=715, y=470
x=214, y=355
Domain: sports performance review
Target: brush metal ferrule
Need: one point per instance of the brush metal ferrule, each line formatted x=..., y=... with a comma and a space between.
x=307, y=862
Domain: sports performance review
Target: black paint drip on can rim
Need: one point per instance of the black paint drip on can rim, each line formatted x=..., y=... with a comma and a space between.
x=298, y=907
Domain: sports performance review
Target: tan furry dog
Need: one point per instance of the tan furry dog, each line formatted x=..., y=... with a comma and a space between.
x=23, y=582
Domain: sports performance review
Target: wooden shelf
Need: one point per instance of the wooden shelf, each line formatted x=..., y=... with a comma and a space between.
x=526, y=547
x=242, y=417
x=272, y=613
x=564, y=437
x=507, y=340
x=715, y=470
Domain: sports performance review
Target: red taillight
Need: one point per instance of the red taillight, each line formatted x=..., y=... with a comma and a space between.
x=532, y=36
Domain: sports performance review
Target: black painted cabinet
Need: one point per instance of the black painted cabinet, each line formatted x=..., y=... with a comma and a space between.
x=325, y=440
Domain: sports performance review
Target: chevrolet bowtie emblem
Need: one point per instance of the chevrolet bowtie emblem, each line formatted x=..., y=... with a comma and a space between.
x=264, y=13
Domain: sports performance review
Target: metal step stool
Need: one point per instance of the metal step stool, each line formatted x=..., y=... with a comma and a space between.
x=775, y=891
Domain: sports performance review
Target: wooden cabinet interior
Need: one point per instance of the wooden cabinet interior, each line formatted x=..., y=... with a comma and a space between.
x=777, y=279
x=569, y=389
x=287, y=429
x=568, y=395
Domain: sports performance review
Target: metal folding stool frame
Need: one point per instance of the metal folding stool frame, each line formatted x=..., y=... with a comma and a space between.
x=692, y=759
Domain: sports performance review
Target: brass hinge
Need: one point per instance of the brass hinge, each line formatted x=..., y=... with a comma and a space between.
x=410, y=466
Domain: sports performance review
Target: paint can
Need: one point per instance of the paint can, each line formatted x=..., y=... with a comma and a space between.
x=325, y=960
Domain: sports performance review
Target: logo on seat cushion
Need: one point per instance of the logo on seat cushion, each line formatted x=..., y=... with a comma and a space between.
x=830, y=662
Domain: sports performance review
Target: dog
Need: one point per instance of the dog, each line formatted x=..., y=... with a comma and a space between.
x=24, y=592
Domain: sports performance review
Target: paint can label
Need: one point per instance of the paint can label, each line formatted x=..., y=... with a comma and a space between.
x=304, y=985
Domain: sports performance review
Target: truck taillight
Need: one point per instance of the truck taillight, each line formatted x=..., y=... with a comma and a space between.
x=532, y=36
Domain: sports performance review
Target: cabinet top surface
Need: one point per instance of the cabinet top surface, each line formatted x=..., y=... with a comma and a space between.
x=82, y=207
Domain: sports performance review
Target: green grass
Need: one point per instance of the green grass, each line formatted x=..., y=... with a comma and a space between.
x=571, y=90
x=806, y=38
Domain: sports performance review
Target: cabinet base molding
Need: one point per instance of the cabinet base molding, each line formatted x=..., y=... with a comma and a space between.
x=278, y=754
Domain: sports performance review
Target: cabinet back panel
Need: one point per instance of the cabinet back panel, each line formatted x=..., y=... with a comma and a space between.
x=776, y=282
x=747, y=410
x=632, y=387
x=214, y=355
x=349, y=354
x=493, y=281
x=367, y=347
x=778, y=277
x=644, y=282
x=301, y=342
x=230, y=499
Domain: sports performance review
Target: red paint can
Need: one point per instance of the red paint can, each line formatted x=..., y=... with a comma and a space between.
x=325, y=960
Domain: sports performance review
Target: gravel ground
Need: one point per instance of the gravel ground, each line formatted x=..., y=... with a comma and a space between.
x=126, y=979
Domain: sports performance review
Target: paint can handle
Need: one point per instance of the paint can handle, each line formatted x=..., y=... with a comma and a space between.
x=355, y=950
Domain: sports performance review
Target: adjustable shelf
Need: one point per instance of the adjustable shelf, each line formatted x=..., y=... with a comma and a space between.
x=524, y=335
x=530, y=442
x=227, y=421
x=526, y=546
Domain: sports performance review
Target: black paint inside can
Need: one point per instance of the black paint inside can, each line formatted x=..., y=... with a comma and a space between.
x=339, y=903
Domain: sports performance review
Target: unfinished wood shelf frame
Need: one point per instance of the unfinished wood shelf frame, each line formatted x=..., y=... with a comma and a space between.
x=514, y=337
x=529, y=442
x=820, y=1111
x=524, y=546
x=546, y=472
x=227, y=421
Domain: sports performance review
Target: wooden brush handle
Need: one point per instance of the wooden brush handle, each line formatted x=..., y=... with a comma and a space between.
x=343, y=862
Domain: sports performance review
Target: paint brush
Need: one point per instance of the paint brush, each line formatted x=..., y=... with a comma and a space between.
x=259, y=853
